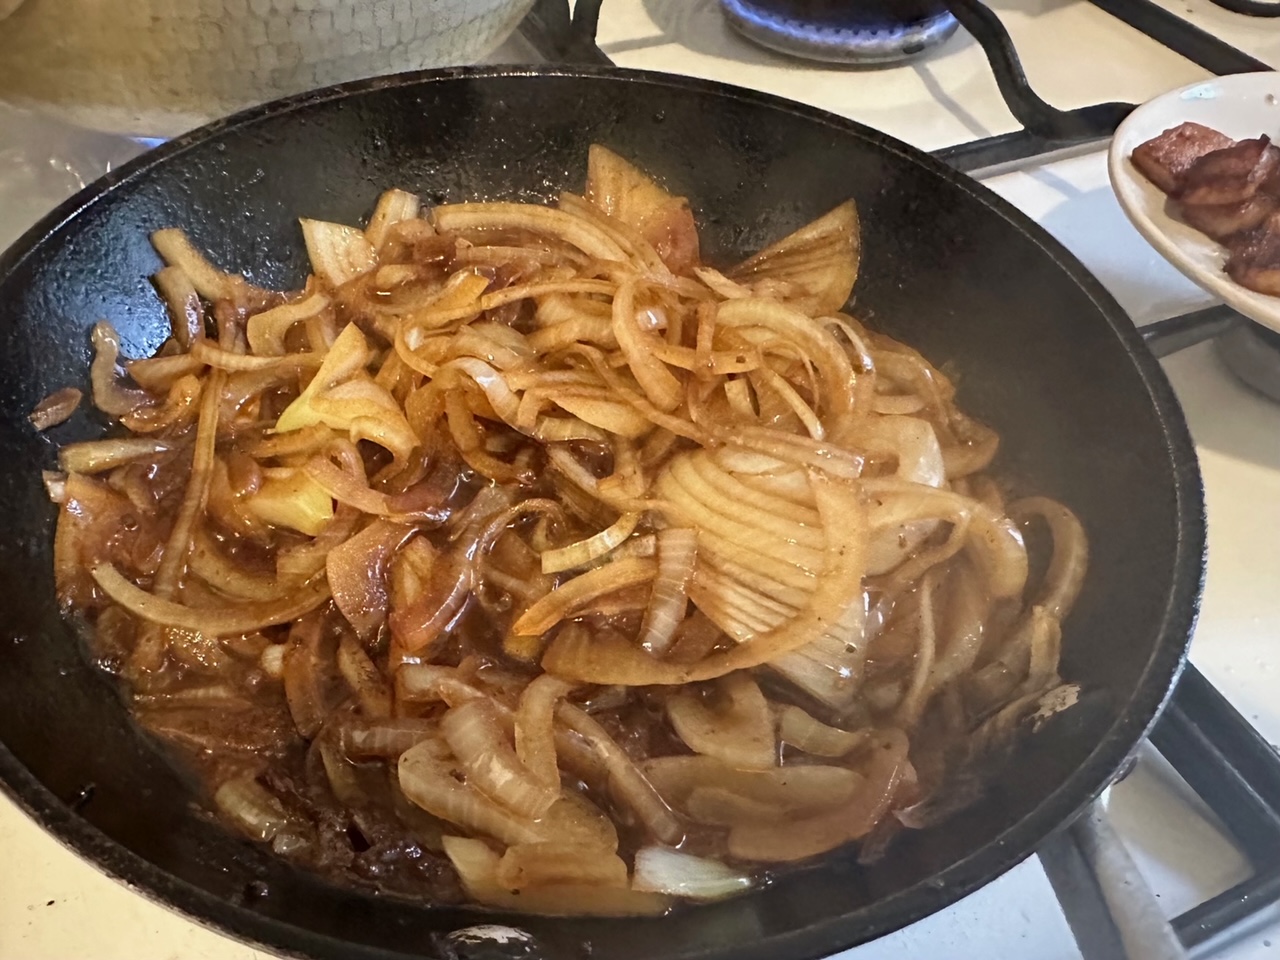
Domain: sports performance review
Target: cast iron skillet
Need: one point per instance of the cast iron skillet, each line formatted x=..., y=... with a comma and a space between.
x=1037, y=347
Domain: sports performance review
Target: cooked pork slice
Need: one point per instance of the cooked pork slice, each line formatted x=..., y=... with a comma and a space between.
x=1254, y=259
x=1233, y=174
x=1165, y=159
x=1220, y=221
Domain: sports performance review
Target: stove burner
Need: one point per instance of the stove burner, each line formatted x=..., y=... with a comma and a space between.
x=864, y=32
x=1252, y=353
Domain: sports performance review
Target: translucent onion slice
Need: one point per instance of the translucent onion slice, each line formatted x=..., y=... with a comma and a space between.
x=582, y=552
x=535, y=727
x=1070, y=559
x=572, y=595
x=207, y=562
x=800, y=730
x=820, y=259
x=623, y=191
x=477, y=866
x=530, y=865
x=266, y=330
x=737, y=730
x=215, y=621
x=662, y=870
x=338, y=253
x=626, y=783
x=56, y=408
x=394, y=206
x=575, y=819
x=357, y=574
x=429, y=782
x=182, y=301
x=575, y=231
x=97, y=456
x=818, y=345
x=109, y=394
x=669, y=599
x=780, y=842
x=386, y=739
x=474, y=732
x=253, y=808
x=638, y=346
x=213, y=284
x=364, y=679
x=800, y=788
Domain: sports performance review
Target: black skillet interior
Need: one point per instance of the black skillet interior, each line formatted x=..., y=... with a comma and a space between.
x=1036, y=346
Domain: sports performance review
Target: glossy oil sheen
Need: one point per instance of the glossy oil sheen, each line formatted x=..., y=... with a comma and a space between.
x=1037, y=349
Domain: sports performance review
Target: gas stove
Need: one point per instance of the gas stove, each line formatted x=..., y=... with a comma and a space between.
x=1024, y=98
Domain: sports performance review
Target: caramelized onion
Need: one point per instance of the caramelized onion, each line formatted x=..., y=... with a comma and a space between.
x=56, y=408
x=428, y=781
x=474, y=734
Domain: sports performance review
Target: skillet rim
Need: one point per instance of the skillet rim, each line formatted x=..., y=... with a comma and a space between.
x=836, y=933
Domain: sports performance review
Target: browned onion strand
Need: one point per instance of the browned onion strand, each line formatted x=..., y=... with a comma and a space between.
x=519, y=548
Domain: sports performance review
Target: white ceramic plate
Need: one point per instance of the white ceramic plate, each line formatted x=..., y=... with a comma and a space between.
x=1242, y=106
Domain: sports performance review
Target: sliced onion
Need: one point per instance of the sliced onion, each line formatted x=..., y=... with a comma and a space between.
x=575, y=231
x=592, y=548
x=798, y=729
x=477, y=867
x=365, y=740
x=253, y=808
x=659, y=384
x=266, y=330
x=799, y=839
x=535, y=727
x=208, y=563
x=474, y=733
x=109, y=395
x=428, y=781
x=662, y=870
x=795, y=788
x=627, y=784
x=394, y=206
x=738, y=731
x=575, y=819
x=571, y=596
x=56, y=408
x=213, y=284
x=182, y=301
x=338, y=253
x=820, y=259
x=1070, y=559
x=98, y=456
x=364, y=679
x=677, y=550
x=223, y=621
x=530, y=865
x=357, y=574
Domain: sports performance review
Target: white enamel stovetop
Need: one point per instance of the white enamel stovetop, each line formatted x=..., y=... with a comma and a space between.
x=55, y=907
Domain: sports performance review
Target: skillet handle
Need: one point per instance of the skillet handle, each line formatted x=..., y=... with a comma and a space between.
x=1111, y=911
x=560, y=36
x=1177, y=333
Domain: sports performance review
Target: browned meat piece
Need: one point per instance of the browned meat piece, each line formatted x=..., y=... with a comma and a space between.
x=1254, y=260
x=1231, y=175
x=1165, y=159
x=1220, y=221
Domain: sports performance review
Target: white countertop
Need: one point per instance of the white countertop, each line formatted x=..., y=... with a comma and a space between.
x=53, y=906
